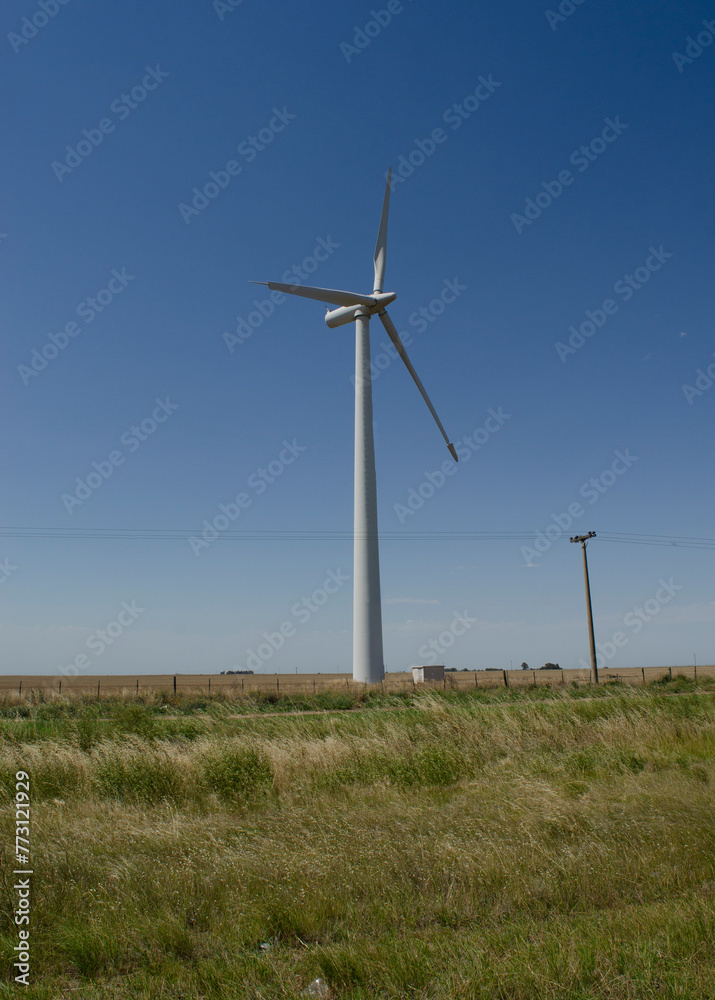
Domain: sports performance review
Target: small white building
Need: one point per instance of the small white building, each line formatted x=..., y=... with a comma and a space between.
x=422, y=674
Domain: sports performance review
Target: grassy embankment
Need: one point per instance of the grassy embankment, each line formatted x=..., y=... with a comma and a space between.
x=497, y=844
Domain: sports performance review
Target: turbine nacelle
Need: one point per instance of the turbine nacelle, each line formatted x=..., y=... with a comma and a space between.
x=348, y=314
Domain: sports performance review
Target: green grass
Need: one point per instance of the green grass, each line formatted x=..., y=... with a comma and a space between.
x=443, y=846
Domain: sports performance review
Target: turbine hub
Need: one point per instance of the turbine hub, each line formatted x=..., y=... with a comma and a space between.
x=347, y=314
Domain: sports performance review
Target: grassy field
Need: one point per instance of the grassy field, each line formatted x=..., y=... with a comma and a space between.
x=493, y=843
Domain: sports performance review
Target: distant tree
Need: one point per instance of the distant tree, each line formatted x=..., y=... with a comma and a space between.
x=550, y=666
x=525, y=666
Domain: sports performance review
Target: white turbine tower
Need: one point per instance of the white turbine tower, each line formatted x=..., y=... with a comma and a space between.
x=368, y=665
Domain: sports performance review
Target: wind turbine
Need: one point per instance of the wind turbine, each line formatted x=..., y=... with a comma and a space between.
x=368, y=665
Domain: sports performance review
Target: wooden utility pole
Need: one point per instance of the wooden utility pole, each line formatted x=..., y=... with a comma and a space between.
x=583, y=539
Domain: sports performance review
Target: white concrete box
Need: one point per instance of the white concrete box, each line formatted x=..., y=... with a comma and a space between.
x=422, y=674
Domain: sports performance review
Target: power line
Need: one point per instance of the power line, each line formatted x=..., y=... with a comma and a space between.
x=260, y=535
x=266, y=535
x=679, y=541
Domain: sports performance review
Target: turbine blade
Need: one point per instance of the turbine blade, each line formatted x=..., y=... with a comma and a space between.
x=380, y=257
x=330, y=295
x=395, y=338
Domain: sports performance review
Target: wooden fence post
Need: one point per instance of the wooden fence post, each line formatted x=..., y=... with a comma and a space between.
x=98, y=688
x=533, y=674
x=506, y=682
x=209, y=687
x=174, y=683
x=670, y=672
x=643, y=672
x=695, y=672
x=314, y=685
x=476, y=682
x=59, y=689
x=278, y=685
x=20, y=691
x=137, y=685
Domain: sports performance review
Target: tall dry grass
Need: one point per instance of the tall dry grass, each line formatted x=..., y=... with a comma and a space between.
x=459, y=848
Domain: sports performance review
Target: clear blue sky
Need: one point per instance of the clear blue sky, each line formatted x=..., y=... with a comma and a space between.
x=116, y=116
